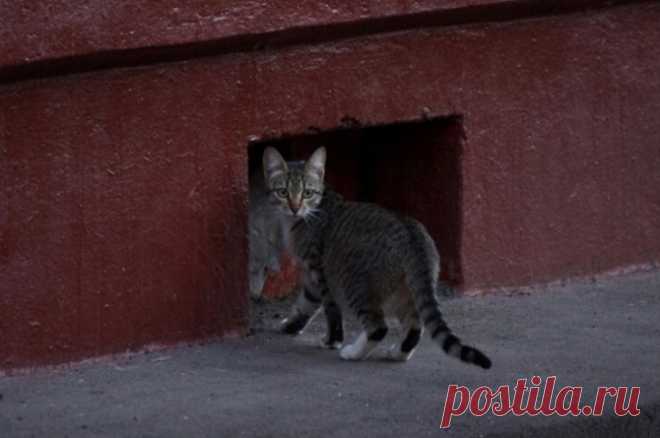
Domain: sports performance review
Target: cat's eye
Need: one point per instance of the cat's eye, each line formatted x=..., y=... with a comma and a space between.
x=282, y=193
x=308, y=193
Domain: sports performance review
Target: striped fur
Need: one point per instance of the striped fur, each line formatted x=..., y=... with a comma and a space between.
x=361, y=257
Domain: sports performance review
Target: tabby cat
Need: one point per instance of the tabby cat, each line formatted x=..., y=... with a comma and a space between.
x=361, y=257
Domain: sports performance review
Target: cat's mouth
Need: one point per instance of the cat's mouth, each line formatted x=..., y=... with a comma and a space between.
x=297, y=215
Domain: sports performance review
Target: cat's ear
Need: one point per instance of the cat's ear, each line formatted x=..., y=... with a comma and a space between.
x=316, y=163
x=273, y=163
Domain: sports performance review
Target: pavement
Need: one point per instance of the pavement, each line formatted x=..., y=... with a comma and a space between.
x=271, y=385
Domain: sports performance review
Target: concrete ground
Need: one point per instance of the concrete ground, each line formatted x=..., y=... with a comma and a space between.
x=270, y=385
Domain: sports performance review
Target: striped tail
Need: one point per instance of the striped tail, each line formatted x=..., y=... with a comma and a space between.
x=422, y=266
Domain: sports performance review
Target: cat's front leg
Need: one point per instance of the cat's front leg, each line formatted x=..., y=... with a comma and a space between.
x=334, y=336
x=305, y=308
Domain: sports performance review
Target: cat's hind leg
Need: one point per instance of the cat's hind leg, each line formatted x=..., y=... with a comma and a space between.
x=403, y=350
x=412, y=330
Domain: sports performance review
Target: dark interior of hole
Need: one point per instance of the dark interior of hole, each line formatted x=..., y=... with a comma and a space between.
x=412, y=168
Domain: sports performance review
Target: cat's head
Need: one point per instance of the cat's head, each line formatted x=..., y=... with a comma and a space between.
x=296, y=189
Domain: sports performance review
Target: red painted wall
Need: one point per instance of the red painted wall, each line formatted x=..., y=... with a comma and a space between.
x=118, y=203
x=123, y=191
x=39, y=37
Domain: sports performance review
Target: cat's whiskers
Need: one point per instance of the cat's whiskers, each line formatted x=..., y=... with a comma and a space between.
x=312, y=214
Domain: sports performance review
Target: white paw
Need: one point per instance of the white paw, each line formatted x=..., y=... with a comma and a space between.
x=351, y=352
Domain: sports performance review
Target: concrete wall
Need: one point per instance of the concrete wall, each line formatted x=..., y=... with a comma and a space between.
x=123, y=190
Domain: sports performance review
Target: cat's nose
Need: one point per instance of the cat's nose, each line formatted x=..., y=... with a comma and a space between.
x=294, y=206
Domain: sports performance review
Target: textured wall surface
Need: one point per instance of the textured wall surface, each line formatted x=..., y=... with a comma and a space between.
x=120, y=195
x=42, y=31
x=123, y=191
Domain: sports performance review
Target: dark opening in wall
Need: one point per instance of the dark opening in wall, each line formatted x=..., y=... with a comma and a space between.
x=413, y=168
